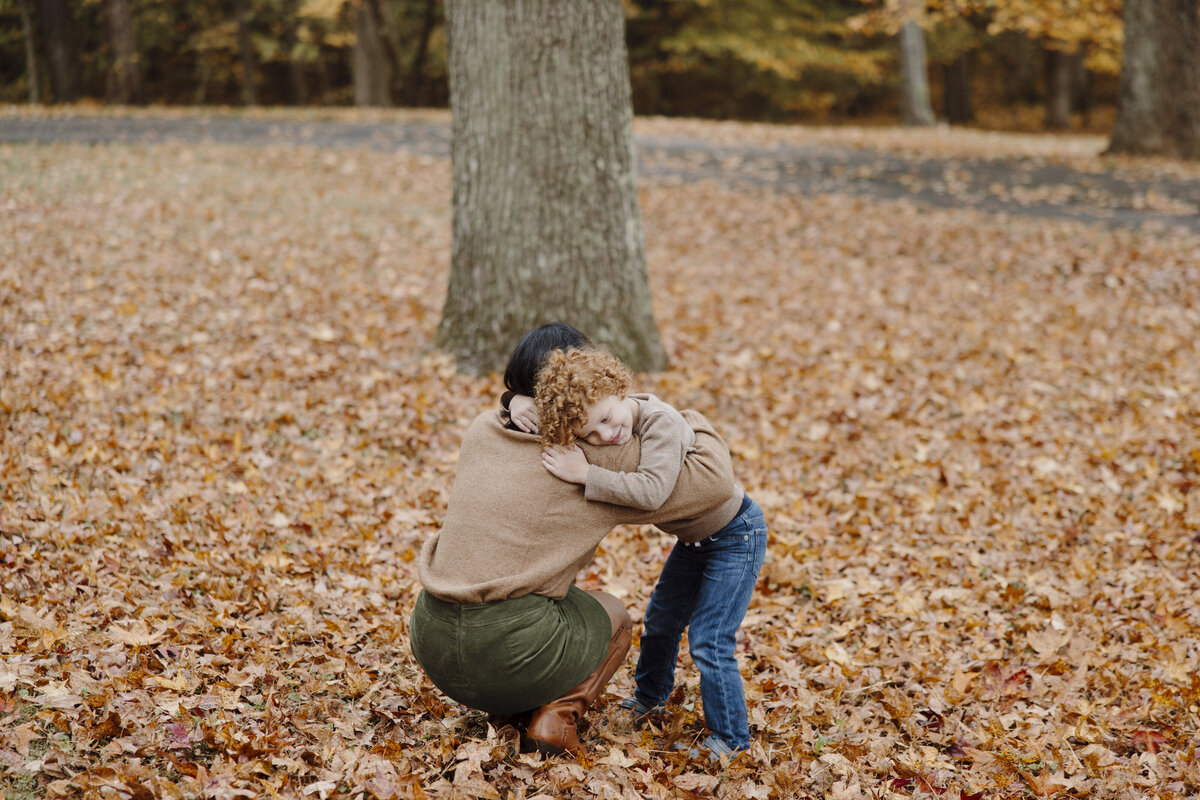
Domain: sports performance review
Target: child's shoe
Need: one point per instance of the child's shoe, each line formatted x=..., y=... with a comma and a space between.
x=642, y=712
x=715, y=747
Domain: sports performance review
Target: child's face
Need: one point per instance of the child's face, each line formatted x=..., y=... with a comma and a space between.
x=610, y=421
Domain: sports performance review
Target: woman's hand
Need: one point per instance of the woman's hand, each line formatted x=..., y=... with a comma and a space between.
x=566, y=463
x=522, y=410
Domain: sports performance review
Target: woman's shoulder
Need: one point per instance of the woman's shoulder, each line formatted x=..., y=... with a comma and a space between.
x=489, y=426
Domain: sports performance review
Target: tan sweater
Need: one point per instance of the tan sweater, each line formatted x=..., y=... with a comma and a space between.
x=666, y=439
x=512, y=528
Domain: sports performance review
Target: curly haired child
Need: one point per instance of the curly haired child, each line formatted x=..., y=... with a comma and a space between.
x=706, y=585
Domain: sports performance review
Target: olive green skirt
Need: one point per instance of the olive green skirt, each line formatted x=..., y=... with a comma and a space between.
x=511, y=655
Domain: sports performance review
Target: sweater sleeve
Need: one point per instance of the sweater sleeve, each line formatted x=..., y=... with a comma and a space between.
x=663, y=451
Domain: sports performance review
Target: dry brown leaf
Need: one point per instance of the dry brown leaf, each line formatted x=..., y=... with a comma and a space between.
x=223, y=443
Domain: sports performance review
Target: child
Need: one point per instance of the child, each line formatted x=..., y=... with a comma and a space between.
x=705, y=585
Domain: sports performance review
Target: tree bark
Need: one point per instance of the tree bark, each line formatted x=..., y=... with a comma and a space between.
x=1058, y=90
x=546, y=223
x=62, y=56
x=372, y=67
x=246, y=51
x=1158, y=109
x=915, y=107
x=957, y=90
x=31, y=64
x=126, y=70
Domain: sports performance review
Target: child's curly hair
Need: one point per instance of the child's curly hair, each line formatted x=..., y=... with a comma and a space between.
x=570, y=381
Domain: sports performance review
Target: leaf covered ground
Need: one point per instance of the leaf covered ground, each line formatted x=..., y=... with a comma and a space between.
x=224, y=437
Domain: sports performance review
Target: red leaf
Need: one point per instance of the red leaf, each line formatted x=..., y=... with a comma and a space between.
x=1148, y=741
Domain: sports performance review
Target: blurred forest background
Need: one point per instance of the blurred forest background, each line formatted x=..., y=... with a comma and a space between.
x=1007, y=64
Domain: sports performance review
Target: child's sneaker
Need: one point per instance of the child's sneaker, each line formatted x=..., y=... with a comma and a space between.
x=642, y=712
x=715, y=747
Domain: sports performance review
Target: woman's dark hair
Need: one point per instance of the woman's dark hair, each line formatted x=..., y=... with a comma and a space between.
x=520, y=375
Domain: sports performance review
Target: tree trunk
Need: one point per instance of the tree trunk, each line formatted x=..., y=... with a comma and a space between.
x=1158, y=110
x=1058, y=90
x=126, y=71
x=246, y=51
x=54, y=17
x=31, y=65
x=1081, y=87
x=915, y=108
x=1020, y=77
x=546, y=223
x=416, y=74
x=324, y=80
x=372, y=67
x=297, y=88
x=957, y=89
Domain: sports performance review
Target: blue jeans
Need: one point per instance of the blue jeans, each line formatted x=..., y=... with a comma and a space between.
x=706, y=588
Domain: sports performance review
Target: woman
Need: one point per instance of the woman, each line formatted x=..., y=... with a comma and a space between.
x=499, y=625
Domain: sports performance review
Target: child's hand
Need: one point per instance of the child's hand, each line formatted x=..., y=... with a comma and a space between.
x=522, y=410
x=566, y=463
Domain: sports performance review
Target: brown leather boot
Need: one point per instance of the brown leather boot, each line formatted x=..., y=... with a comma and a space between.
x=554, y=728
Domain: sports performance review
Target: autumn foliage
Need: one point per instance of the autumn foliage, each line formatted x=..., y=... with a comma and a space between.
x=222, y=439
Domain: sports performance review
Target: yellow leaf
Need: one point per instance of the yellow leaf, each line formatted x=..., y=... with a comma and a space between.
x=178, y=683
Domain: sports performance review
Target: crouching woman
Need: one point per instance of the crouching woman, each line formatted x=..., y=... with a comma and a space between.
x=499, y=625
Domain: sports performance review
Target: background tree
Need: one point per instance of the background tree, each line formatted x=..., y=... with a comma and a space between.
x=957, y=102
x=1075, y=38
x=1159, y=108
x=1059, y=88
x=415, y=90
x=546, y=222
x=31, y=64
x=244, y=12
x=915, y=106
x=125, y=73
x=294, y=51
x=62, y=57
x=989, y=61
x=904, y=21
x=374, y=58
x=398, y=37
x=1017, y=54
x=766, y=59
x=956, y=46
x=1015, y=35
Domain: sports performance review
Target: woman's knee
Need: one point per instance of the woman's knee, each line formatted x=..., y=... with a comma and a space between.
x=618, y=615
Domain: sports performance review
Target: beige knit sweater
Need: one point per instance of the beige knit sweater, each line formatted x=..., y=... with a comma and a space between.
x=512, y=528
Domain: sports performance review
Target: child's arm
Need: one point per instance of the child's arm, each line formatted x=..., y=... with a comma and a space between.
x=523, y=411
x=566, y=463
x=663, y=451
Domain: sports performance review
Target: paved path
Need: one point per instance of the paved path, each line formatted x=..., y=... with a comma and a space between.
x=1014, y=186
